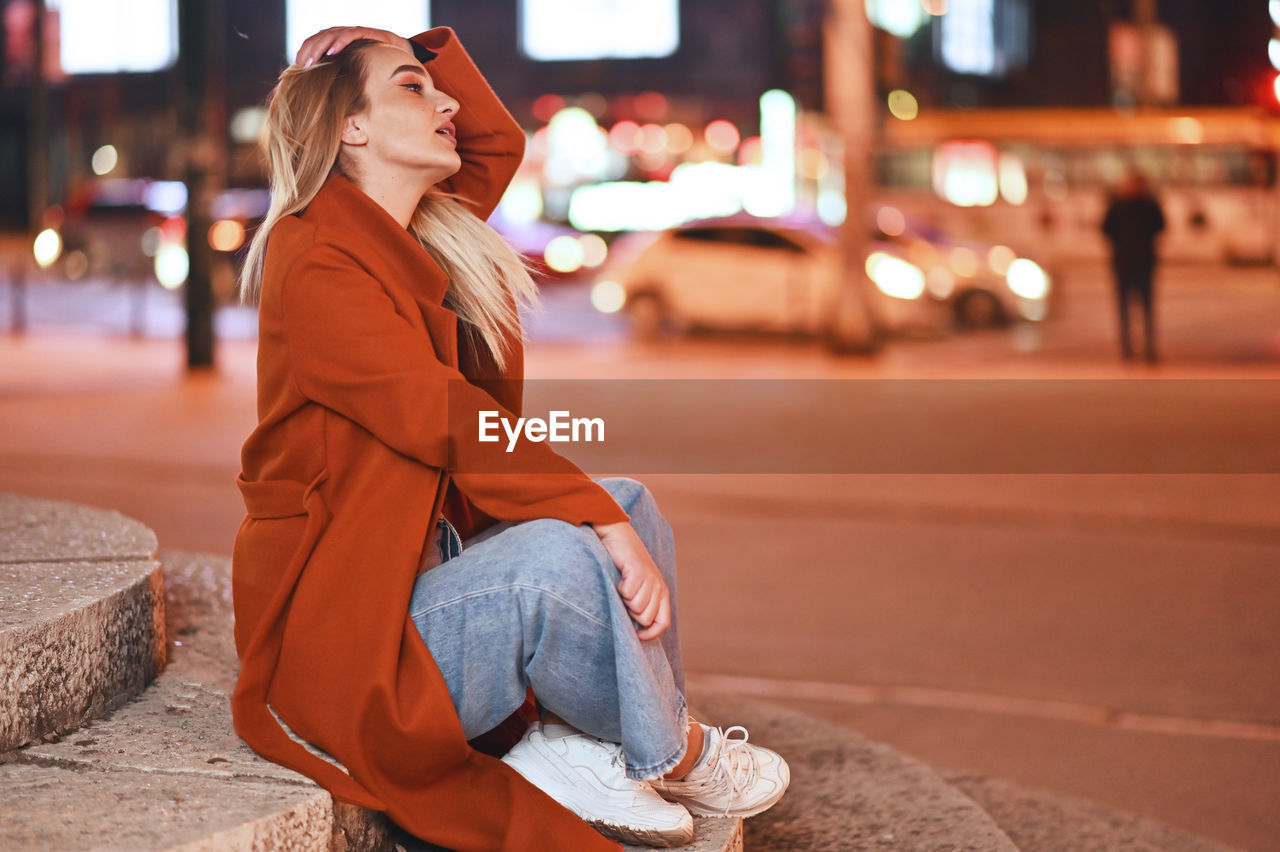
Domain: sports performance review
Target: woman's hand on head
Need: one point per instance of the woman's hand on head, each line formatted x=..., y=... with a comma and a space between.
x=642, y=588
x=334, y=39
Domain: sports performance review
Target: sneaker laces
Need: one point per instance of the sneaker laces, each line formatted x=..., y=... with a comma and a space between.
x=731, y=770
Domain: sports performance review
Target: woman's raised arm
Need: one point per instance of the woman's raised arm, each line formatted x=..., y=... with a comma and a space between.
x=490, y=141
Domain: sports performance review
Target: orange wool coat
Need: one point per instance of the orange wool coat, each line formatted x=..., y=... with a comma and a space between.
x=364, y=396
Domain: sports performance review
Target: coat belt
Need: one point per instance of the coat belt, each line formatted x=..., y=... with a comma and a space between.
x=277, y=498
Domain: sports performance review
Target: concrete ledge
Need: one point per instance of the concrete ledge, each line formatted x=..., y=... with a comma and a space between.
x=76, y=639
x=37, y=530
x=81, y=615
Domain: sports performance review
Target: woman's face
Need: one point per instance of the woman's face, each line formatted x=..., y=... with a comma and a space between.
x=406, y=122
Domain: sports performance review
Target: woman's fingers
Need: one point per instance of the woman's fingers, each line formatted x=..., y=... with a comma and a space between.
x=641, y=586
x=660, y=622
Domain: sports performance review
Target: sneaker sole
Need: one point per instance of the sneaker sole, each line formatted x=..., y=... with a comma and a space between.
x=642, y=836
x=533, y=765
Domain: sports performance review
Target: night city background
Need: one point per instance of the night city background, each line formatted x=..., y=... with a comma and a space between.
x=834, y=272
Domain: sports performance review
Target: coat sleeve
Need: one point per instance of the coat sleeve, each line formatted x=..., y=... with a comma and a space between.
x=490, y=142
x=352, y=352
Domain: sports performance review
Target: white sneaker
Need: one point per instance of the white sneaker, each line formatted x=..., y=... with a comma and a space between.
x=730, y=778
x=588, y=777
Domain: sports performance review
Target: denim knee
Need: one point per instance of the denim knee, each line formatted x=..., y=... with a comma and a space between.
x=630, y=494
x=571, y=564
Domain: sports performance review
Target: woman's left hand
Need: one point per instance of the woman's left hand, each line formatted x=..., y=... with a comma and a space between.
x=334, y=39
x=642, y=587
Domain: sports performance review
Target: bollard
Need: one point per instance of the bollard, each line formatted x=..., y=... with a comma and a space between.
x=17, y=299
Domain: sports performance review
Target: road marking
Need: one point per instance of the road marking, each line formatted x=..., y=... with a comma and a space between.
x=946, y=699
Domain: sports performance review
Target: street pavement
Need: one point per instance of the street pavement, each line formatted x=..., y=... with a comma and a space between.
x=1108, y=634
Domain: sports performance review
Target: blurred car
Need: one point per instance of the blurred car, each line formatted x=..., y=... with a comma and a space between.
x=982, y=285
x=777, y=275
x=111, y=229
x=134, y=229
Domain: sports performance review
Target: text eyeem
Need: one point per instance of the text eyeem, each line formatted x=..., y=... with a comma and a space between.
x=558, y=427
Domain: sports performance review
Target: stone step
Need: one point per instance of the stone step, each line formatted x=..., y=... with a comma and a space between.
x=166, y=771
x=849, y=794
x=81, y=615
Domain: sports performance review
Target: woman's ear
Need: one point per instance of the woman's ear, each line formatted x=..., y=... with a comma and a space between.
x=353, y=131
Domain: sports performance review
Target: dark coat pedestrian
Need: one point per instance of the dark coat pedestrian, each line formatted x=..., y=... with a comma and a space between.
x=1132, y=223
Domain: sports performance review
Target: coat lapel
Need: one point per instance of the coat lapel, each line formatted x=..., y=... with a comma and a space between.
x=355, y=223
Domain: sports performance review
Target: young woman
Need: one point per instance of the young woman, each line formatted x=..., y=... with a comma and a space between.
x=400, y=587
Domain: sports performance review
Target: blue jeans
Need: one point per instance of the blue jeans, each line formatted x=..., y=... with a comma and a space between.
x=535, y=604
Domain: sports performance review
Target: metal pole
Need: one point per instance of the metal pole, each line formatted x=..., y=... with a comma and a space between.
x=201, y=118
x=38, y=129
x=849, y=84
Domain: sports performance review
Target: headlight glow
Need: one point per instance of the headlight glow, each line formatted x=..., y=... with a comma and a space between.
x=894, y=276
x=172, y=266
x=564, y=254
x=47, y=247
x=1027, y=279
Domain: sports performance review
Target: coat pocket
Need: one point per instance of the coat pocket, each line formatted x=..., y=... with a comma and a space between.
x=285, y=522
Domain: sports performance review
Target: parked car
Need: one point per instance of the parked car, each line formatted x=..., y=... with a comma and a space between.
x=133, y=230
x=777, y=275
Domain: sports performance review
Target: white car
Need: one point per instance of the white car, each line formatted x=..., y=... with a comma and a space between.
x=772, y=275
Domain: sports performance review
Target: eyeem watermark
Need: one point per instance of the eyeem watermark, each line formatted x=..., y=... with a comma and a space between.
x=560, y=427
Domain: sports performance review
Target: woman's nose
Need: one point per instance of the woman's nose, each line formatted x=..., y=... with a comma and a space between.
x=448, y=106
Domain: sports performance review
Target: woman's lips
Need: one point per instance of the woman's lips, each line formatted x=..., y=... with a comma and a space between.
x=448, y=131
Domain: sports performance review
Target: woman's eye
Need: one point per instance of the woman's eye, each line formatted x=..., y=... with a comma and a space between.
x=413, y=87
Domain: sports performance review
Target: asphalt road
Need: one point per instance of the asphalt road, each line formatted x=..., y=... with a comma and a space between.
x=1108, y=632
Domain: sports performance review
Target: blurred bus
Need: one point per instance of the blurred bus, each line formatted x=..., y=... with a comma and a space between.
x=1040, y=178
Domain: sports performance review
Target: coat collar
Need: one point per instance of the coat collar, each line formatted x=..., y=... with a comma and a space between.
x=349, y=219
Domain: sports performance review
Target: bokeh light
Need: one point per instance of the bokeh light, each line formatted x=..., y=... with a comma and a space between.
x=546, y=106
x=47, y=248
x=522, y=202
x=594, y=250
x=751, y=152
x=626, y=136
x=679, y=138
x=722, y=136
x=564, y=254
x=653, y=139
x=150, y=241
x=1000, y=258
x=172, y=266
x=1027, y=279
x=941, y=282
x=903, y=105
x=226, y=235
x=895, y=277
x=891, y=221
x=964, y=262
x=104, y=160
x=608, y=297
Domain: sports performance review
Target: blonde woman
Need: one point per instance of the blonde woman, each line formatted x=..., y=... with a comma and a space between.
x=402, y=591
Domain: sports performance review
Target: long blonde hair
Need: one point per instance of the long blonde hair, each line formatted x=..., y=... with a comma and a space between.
x=302, y=138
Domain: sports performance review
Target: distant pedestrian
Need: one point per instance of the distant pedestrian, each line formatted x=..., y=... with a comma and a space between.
x=1132, y=223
